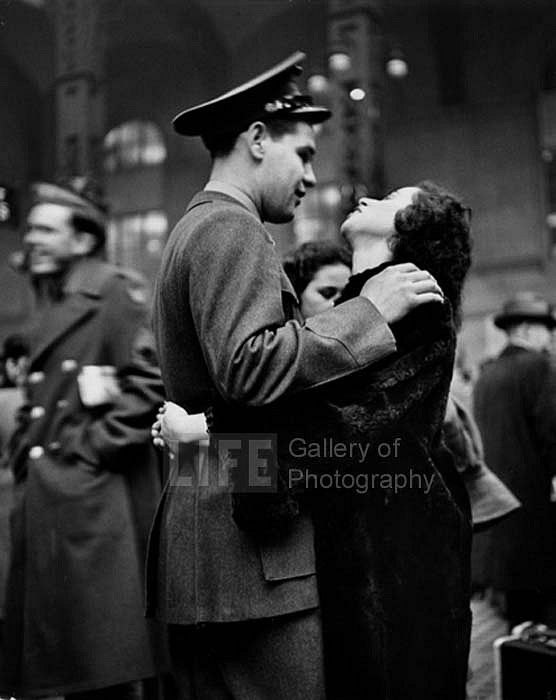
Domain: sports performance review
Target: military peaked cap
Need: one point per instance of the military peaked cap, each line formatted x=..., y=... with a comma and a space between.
x=271, y=95
x=81, y=194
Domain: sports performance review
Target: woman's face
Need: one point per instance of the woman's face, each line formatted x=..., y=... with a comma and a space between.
x=323, y=290
x=375, y=217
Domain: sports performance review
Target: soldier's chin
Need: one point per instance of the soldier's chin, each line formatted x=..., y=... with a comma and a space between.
x=44, y=267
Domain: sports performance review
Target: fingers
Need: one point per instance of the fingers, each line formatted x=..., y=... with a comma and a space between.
x=429, y=285
x=404, y=267
x=427, y=297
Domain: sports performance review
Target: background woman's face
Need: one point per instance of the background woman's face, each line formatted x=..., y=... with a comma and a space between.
x=323, y=290
x=375, y=217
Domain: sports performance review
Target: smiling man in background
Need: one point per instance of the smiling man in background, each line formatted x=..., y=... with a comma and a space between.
x=86, y=481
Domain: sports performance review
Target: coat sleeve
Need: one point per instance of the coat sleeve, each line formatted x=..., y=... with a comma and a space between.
x=118, y=433
x=254, y=354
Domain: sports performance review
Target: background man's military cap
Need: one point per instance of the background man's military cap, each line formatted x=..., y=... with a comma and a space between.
x=526, y=306
x=81, y=194
x=271, y=95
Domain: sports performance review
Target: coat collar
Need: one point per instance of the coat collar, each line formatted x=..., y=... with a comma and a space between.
x=88, y=276
x=84, y=291
x=206, y=197
x=235, y=193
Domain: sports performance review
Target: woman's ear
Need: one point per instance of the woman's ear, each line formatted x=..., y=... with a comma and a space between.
x=257, y=134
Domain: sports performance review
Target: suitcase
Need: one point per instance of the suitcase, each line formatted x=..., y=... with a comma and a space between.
x=525, y=663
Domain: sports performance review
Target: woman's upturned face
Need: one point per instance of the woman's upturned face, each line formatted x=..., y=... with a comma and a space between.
x=375, y=217
x=323, y=290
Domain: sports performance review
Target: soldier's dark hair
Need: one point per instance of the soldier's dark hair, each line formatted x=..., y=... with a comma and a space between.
x=85, y=225
x=220, y=145
x=90, y=190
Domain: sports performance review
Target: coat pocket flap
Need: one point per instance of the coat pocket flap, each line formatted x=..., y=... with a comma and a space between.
x=291, y=557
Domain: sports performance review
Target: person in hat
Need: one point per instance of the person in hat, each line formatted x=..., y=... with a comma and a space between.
x=515, y=407
x=243, y=607
x=86, y=478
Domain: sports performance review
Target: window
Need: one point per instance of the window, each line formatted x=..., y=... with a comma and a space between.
x=136, y=240
x=133, y=144
x=317, y=216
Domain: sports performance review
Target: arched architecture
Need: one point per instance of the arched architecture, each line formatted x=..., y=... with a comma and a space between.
x=476, y=112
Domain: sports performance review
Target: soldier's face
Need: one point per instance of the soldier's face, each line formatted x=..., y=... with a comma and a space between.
x=50, y=238
x=287, y=172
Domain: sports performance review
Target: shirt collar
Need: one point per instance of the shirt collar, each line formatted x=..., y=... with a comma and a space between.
x=235, y=192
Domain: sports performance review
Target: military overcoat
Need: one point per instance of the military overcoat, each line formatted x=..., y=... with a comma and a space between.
x=87, y=482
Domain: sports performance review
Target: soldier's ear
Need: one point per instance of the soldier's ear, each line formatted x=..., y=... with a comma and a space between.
x=83, y=243
x=256, y=136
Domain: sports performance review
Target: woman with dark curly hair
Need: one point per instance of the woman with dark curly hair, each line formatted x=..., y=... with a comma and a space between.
x=392, y=520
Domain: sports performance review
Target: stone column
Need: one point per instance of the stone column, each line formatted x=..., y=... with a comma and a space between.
x=355, y=31
x=79, y=85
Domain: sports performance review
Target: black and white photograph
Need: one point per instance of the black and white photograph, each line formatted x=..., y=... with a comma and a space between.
x=278, y=349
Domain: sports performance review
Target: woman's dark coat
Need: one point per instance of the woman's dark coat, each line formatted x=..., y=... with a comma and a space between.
x=392, y=567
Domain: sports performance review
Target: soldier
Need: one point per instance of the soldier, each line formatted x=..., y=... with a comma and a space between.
x=243, y=607
x=86, y=479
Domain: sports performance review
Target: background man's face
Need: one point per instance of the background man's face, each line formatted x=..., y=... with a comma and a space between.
x=286, y=173
x=50, y=238
x=539, y=335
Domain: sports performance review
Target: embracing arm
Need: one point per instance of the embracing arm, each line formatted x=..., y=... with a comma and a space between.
x=254, y=354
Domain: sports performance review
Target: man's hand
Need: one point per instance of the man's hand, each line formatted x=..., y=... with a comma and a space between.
x=400, y=288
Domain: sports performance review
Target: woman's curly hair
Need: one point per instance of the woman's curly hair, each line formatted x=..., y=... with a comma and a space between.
x=433, y=232
x=303, y=263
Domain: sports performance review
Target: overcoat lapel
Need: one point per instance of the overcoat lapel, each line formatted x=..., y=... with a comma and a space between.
x=60, y=319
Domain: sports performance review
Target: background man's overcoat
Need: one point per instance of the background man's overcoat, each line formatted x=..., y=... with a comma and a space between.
x=87, y=483
x=515, y=408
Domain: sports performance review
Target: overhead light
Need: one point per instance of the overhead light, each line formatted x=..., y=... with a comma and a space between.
x=357, y=94
x=317, y=83
x=396, y=65
x=340, y=62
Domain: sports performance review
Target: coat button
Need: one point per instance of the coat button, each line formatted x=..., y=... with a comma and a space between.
x=35, y=377
x=36, y=452
x=69, y=365
x=37, y=412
